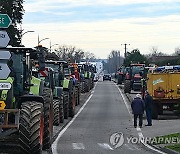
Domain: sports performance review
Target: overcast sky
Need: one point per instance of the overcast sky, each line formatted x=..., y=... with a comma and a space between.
x=100, y=26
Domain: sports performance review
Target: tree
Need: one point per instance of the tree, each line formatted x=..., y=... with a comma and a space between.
x=14, y=8
x=89, y=56
x=177, y=51
x=114, y=61
x=70, y=53
x=135, y=57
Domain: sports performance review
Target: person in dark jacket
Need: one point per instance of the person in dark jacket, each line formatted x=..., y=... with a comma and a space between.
x=148, y=107
x=138, y=107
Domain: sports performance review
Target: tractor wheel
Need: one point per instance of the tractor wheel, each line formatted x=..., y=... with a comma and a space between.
x=83, y=87
x=79, y=93
x=127, y=86
x=48, y=118
x=86, y=85
x=31, y=124
x=61, y=111
x=66, y=104
x=155, y=111
x=119, y=79
x=76, y=95
x=72, y=103
x=56, y=120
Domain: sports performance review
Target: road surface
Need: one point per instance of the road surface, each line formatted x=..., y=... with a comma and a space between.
x=104, y=114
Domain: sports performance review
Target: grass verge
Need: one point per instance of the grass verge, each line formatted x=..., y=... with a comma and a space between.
x=171, y=141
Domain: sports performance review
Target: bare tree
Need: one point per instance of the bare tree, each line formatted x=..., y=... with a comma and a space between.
x=177, y=51
x=70, y=53
x=114, y=61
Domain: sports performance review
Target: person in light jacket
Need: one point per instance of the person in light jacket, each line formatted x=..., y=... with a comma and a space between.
x=138, y=107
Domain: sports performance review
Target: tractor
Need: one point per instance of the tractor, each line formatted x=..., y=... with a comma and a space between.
x=134, y=77
x=61, y=98
x=88, y=76
x=27, y=113
x=76, y=75
x=69, y=90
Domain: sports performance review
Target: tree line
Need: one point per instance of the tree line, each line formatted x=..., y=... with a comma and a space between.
x=115, y=61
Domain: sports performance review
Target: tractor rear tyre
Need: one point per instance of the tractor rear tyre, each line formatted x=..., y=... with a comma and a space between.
x=31, y=124
x=58, y=112
x=120, y=78
x=72, y=103
x=83, y=87
x=78, y=95
x=86, y=85
x=48, y=118
x=127, y=86
x=66, y=104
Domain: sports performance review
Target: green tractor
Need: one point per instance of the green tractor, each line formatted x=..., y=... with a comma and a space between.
x=54, y=76
x=88, y=76
x=70, y=89
x=64, y=90
x=26, y=115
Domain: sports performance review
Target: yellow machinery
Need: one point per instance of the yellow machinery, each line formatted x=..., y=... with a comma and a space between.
x=164, y=87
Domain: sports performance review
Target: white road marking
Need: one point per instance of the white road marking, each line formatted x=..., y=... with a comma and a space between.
x=92, y=92
x=138, y=129
x=105, y=146
x=54, y=145
x=78, y=146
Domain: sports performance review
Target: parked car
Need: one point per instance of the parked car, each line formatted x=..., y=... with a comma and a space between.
x=107, y=77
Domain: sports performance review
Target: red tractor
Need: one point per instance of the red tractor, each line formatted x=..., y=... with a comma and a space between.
x=133, y=77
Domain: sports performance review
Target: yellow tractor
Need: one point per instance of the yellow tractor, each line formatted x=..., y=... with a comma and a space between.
x=164, y=86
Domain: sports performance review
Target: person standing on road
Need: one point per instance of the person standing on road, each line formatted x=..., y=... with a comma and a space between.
x=148, y=107
x=138, y=107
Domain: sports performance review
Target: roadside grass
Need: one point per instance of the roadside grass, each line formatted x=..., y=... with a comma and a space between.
x=171, y=141
x=175, y=147
x=166, y=139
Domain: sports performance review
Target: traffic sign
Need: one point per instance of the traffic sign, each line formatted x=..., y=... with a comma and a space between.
x=4, y=71
x=2, y=105
x=4, y=39
x=5, y=21
x=5, y=55
x=5, y=86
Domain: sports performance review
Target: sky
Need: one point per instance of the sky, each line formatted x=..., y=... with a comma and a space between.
x=100, y=26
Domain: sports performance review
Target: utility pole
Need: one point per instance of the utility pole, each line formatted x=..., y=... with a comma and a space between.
x=125, y=53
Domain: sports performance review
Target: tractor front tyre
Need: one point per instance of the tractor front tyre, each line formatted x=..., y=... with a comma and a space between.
x=66, y=104
x=48, y=118
x=56, y=120
x=61, y=111
x=127, y=86
x=31, y=124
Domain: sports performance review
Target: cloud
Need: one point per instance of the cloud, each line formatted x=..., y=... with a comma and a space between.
x=100, y=37
x=44, y=5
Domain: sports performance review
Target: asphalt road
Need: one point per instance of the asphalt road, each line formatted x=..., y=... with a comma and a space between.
x=104, y=114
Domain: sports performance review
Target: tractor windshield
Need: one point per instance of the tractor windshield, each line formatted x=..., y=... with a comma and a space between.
x=137, y=70
x=54, y=67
